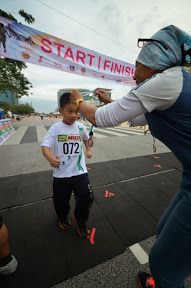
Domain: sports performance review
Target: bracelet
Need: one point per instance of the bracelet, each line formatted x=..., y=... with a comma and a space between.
x=78, y=101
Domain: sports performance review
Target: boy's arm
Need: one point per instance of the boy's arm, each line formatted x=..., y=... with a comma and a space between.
x=88, y=151
x=53, y=160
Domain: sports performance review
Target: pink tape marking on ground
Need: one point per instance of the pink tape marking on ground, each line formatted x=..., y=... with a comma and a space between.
x=111, y=194
x=106, y=193
x=157, y=166
x=92, y=236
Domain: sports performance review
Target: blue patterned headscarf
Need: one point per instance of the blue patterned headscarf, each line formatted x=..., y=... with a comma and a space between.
x=177, y=44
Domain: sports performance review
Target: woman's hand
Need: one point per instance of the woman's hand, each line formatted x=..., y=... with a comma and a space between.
x=103, y=96
x=74, y=95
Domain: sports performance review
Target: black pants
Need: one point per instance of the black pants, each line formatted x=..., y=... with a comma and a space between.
x=62, y=190
x=1, y=221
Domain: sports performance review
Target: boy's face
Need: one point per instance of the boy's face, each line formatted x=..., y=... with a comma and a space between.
x=69, y=113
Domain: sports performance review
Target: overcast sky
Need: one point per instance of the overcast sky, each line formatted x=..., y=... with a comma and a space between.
x=121, y=21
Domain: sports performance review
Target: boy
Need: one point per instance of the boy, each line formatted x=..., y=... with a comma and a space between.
x=70, y=172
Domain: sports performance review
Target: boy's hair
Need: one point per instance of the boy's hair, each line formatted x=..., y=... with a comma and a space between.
x=64, y=99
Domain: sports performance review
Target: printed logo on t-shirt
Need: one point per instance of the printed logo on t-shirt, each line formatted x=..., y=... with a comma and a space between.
x=65, y=138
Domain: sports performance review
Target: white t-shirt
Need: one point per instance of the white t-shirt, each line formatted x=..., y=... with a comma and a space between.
x=66, y=140
x=9, y=113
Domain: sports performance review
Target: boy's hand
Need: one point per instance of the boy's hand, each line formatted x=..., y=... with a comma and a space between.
x=88, y=153
x=90, y=142
x=55, y=162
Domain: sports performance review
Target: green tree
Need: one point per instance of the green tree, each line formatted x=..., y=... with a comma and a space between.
x=11, y=76
x=22, y=109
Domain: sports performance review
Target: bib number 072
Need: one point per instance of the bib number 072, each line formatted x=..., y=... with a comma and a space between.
x=71, y=148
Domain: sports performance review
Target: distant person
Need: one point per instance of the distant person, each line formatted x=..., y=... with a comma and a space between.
x=9, y=114
x=41, y=116
x=18, y=117
x=1, y=114
x=62, y=147
x=161, y=99
x=8, y=263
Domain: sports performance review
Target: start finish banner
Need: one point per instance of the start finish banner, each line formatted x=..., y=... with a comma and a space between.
x=20, y=42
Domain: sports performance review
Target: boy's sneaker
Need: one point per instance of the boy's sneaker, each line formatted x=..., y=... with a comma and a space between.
x=82, y=229
x=145, y=280
x=9, y=268
x=65, y=223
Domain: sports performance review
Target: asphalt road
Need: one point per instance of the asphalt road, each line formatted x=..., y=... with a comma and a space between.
x=21, y=154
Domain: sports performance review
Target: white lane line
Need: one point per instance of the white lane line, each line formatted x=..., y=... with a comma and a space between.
x=147, y=175
x=127, y=131
x=97, y=135
x=41, y=132
x=137, y=131
x=16, y=137
x=109, y=132
x=139, y=253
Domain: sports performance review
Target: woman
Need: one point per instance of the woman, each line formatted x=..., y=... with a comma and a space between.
x=161, y=99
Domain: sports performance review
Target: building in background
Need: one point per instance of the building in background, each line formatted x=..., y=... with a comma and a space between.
x=8, y=97
x=88, y=95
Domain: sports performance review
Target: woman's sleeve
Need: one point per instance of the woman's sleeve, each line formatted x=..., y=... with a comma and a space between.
x=159, y=92
x=139, y=121
x=119, y=111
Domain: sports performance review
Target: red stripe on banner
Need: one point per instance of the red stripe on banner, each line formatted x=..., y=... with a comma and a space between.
x=99, y=62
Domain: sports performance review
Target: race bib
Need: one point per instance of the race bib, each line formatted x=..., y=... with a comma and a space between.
x=69, y=145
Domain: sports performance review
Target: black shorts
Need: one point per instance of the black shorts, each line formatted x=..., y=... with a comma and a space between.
x=1, y=221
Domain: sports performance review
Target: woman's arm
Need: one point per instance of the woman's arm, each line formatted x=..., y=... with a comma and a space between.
x=112, y=114
x=88, y=112
x=138, y=121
